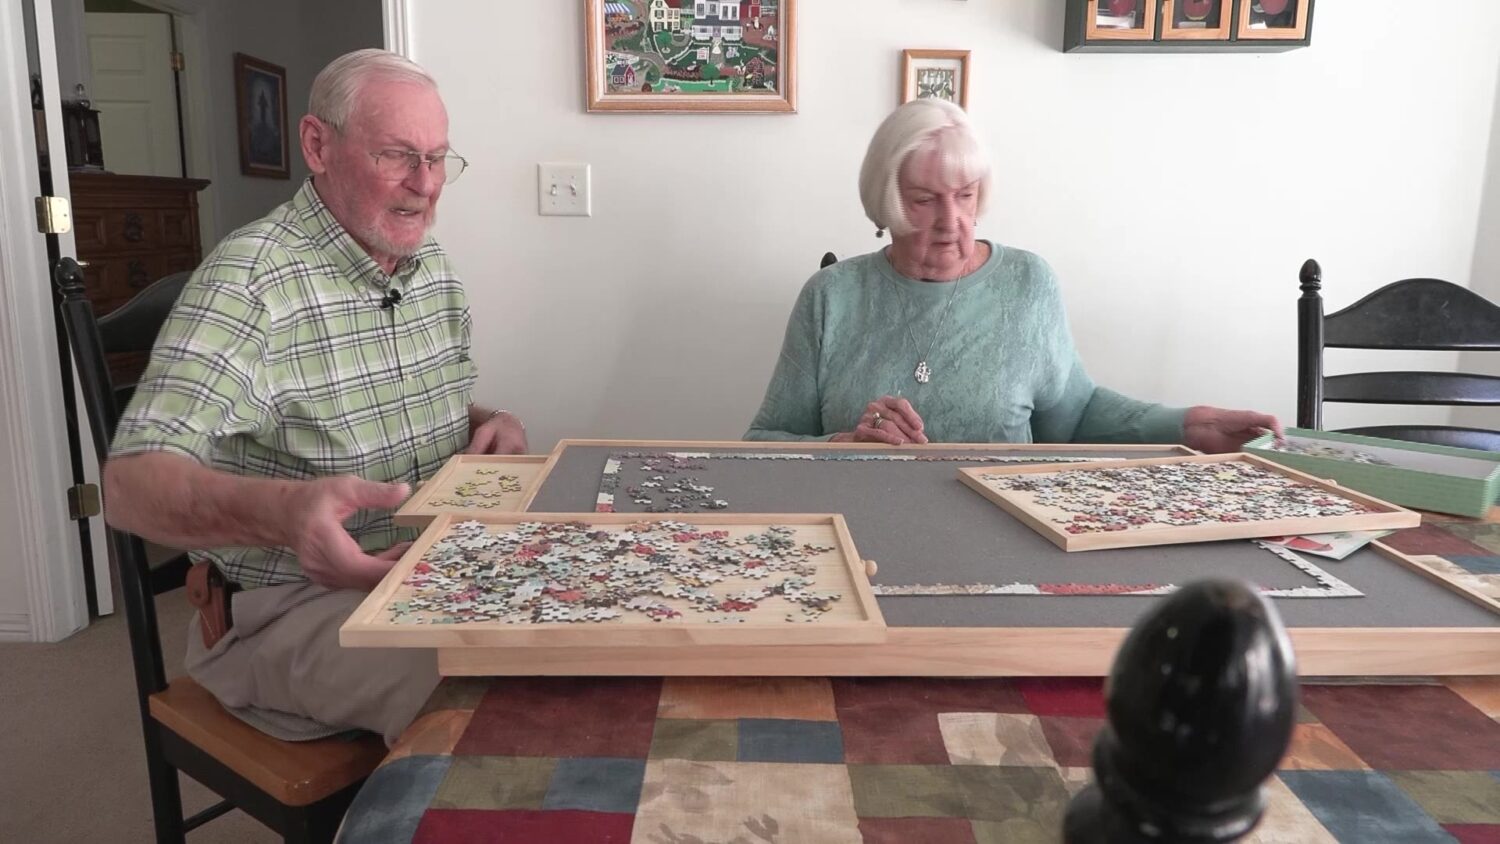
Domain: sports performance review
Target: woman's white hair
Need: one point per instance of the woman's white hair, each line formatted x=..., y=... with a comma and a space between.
x=335, y=91
x=920, y=125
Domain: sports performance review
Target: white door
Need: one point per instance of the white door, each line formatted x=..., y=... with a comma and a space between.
x=131, y=59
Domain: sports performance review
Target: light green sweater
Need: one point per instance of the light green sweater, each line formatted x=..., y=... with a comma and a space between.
x=1004, y=368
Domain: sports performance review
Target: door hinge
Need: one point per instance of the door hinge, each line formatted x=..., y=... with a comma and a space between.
x=53, y=215
x=178, y=63
x=83, y=501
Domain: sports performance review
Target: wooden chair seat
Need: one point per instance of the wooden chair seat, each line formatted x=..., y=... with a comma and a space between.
x=294, y=773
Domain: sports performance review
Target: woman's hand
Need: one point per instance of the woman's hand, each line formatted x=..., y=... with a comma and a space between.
x=1214, y=430
x=886, y=420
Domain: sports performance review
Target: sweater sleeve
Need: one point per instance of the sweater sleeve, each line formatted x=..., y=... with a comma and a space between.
x=792, y=407
x=1070, y=407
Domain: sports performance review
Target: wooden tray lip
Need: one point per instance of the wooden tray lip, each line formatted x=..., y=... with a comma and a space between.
x=1000, y=652
x=820, y=445
x=815, y=445
x=417, y=512
x=1091, y=651
x=363, y=629
x=1397, y=517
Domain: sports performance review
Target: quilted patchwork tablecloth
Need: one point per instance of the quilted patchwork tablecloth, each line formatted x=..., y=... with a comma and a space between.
x=909, y=760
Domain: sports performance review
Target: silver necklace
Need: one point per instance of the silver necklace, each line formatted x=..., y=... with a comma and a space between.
x=923, y=372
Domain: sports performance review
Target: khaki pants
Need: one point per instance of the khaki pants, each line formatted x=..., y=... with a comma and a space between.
x=280, y=667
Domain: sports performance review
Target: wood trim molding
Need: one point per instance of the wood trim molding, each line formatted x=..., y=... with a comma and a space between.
x=398, y=27
x=15, y=627
x=32, y=425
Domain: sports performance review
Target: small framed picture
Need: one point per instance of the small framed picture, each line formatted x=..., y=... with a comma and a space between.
x=260, y=100
x=1196, y=20
x=1281, y=20
x=941, y=74
x=1120, y=20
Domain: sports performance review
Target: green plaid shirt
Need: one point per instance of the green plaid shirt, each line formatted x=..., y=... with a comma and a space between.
x=278, y=361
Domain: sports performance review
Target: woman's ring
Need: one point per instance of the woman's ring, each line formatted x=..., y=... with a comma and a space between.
x=877, y=420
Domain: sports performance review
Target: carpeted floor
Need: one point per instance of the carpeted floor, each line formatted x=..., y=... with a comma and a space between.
x=72, y=764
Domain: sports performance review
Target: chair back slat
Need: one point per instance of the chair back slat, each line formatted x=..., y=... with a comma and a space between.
x=133, y=326
x=1418, y=313
x=1448, y=388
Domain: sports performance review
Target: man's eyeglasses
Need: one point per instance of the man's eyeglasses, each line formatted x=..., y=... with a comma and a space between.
x=396, y=164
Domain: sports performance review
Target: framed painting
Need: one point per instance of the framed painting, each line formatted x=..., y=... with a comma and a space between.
x=939, y=74
x=1273, y=20
x=691, y=55
x=1120, y=20
x=260, y=101
x=1196, y=20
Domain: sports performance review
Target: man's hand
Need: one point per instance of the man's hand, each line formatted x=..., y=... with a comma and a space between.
x=502, y=433
x=330, y=557
x=1214, y=430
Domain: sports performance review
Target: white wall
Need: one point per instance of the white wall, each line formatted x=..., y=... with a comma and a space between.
x=269, y=30
x=1486, y=278
x=72, y=47
x=301, y=37
x=1177, y=196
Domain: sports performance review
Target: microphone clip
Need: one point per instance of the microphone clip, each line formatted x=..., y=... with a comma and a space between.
x=391, y=299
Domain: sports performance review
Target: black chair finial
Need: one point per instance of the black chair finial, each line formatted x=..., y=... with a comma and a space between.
x=1202, y=702
x=69, y=279
x=828, y=260
x=1311, y=276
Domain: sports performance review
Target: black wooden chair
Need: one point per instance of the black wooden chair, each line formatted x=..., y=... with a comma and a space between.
x=298, y=789
x=828, y=259
x=132, y=328
x=1414, y=314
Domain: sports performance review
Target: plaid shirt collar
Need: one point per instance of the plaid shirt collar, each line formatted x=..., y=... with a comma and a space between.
x=348, y=257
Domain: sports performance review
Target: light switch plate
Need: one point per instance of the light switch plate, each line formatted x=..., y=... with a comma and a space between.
x=563, y=190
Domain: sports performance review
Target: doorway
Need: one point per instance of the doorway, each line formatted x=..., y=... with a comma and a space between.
x=135, y=65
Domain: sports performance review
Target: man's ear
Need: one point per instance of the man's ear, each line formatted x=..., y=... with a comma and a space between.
x=316, y=137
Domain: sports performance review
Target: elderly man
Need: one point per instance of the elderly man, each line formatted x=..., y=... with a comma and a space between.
x=315, y=366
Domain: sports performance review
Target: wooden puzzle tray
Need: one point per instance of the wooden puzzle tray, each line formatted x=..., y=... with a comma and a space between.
x=616, y=580
x=1163, y=501
x=474, y=483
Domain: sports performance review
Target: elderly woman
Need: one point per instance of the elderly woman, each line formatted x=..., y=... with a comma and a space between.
x=944, y=338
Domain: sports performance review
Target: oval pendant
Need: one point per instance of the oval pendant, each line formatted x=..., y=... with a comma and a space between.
x=923, y=374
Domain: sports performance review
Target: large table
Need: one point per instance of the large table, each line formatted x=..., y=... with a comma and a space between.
x=692, y=760
x=922, y=526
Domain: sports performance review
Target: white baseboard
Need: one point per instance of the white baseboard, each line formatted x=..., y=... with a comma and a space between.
x=15, y=627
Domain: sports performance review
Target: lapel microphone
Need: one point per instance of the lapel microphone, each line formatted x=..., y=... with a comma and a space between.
x=391, y=299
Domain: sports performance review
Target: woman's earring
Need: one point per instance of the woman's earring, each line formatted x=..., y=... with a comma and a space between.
x=880, y=231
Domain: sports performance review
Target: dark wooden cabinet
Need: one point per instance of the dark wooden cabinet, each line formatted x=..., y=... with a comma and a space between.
x=131, y=231
x=1186, y=26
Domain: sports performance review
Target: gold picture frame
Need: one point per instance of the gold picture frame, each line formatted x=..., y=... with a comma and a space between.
x=943, y=74
x=655, y=56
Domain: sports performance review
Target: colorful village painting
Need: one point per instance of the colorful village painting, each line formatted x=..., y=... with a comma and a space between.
x=692, y=46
